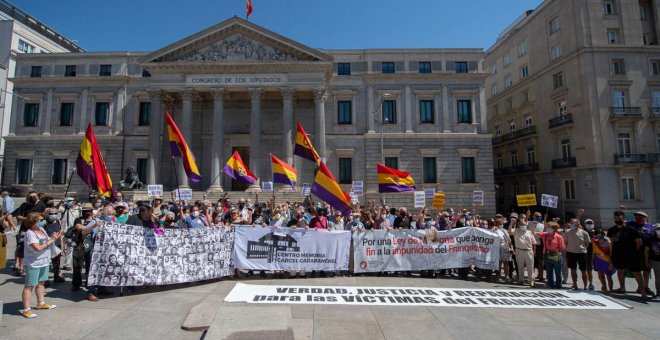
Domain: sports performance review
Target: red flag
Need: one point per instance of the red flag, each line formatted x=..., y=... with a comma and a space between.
x=249, y=8
x=91, y=167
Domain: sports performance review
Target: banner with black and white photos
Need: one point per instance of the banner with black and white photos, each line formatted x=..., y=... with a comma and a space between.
x=126, y=255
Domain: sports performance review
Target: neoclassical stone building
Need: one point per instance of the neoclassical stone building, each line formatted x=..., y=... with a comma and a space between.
x=238, y=86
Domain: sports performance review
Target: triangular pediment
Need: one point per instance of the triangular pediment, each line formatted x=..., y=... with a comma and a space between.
x=236, y=40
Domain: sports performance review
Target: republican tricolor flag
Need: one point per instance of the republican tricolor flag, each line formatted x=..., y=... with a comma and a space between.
x=179, y=148
x=283, y=173
x=393, y=180
x=326, y=188
x=236, y=169
x=91, y=167
x=304, y=146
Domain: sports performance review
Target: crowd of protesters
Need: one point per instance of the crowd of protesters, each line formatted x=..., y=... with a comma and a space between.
x=55, y=235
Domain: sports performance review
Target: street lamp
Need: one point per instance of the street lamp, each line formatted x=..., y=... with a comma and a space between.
x=382, y=122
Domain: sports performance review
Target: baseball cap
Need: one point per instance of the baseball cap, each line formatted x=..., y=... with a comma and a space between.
x=513, y=215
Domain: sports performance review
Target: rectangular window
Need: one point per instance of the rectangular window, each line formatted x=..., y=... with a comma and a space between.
x=524, y=72
x=516, y=189
x=31, y=114
x=618, y=67
x=646, y=40
x=514, y=158
x=554, y=25
x=532, y=188
x=426, y=113
x=628, y=186
x=508, y=103
x=556, y=52
x=655, y=67
x=145, y=114
x=569, y=189
x=531, y=155
x=141, y=167
x=389, y=112
x=558, y=80
x=497, y=130
x=561, y=108
x=66, y=114
x=424, y=67
x=512, y=127
x=101, y=114
x=344, y=69
x=522, y=49
x=528, y=122
x=388, y=67
x=23, y=171
x=345, y=170
x=105, y=70
x=70, y=71
x=59, y=171
x=508, y=81
x=461, y=66
x=464, y=111
x=566, y=153
x=506, y=60
x=623, y=142
x=430, y=171
x=35, y=72
x=344, y=112
x=619, y=100
x=612, y=37
x=642, y=14
x=656, y=101
x=493, y=70
x=498, y=161
x=608, y=7
x=468, y=170
x=493, y=89
x=24, y=47
x=524, y=96
x=392, y=162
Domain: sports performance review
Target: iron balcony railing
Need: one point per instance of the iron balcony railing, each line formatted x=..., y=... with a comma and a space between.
x=626, y=112
x=631, y=158
x=530, y=167
x=568, y=162
x=528, y=131
x=561, y=120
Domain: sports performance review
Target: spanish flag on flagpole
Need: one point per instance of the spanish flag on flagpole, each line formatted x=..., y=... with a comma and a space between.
x=179, y=148
x=327, y=189
x=248, y=9
x=283, y=173
x=304, y=146
x=393, y=180
x=91, y=167
x=237, y=170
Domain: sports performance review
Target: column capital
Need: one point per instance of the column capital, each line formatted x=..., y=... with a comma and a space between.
x=187, y=93
x=287, y=93
x=198, y=101
x=155, y=95
x=220, y=94
x=320, y=95
x=168, y=101
x=256, y=93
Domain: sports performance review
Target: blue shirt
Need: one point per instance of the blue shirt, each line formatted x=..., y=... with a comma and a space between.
x=195, y=222
x=7, y=205
x=52, y=228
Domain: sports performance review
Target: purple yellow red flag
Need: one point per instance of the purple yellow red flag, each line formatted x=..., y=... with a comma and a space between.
x=91, y=167
x=179, y=148
x=327, y=189
x=283, y=173
x=393, y=180
x=304, y=147
x=236, y=169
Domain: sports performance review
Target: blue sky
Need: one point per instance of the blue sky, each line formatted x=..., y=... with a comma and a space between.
x=147, y=25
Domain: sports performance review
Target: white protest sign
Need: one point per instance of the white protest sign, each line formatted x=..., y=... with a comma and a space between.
x=478, y=198
x=183, y=194
x=155, y=190
x=358, y=188
x=429, y=192
x=354, y=198
x=306, y=189
x=420, y=199
x=267, y=186
x=549, y=201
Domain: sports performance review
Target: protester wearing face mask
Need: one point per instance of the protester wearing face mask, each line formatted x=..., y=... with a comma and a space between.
x=31, y=204
x=54, y=228
x=646, y=232
x=83, y=243
x=577, y=240
x=403, y=220
x=524, y=242
x=356, y=224
x=120, y=212
x=602, y=261
x=626, y=243
x=169, y=220
x=195, y=219
x=590, y=229
x=337, y=222
x=553, y=245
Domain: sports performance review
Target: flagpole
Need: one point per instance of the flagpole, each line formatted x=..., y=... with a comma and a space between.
x=176, y=178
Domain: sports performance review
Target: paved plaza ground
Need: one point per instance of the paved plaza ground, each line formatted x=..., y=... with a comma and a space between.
x=161, y=312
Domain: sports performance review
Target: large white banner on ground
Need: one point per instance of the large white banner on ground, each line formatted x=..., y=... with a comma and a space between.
x=396, y=250
x=399, y=296
x=126, y=255
x=273, y=248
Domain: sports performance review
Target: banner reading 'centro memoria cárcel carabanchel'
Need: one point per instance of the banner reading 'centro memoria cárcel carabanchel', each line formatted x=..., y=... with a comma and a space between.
x=382, y=250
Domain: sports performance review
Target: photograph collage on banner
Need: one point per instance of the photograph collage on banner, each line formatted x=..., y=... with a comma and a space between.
x=126, y=255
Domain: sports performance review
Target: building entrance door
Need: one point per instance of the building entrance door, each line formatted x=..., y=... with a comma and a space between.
x=244, y=151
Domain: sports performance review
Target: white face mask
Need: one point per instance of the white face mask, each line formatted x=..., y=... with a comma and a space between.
x=195, y=213
x=523, y=227
x=589, y=226
x=383, y=216
x=277, y=216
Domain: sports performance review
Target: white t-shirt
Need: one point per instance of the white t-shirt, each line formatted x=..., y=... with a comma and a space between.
x=33, y=258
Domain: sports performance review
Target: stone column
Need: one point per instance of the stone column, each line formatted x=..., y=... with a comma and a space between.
x=409, y=110
x=371, y=118
x=255, y=136
x=118, y=119
x=45, y=120
x=155, y=142
x=186, y=130
x=16, y=112
x=320, y=96
x=446, y=114
x=84, y=104
x=287, y=124
x=218, y=143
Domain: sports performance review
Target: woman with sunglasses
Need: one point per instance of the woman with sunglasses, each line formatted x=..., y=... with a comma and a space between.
x=37, y=261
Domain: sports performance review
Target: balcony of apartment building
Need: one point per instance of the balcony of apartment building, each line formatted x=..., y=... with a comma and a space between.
x=529, y=167
x=654, y=113
x=654, y=158
x=631, y=158
x=515, y=135
x=565, y=119
x=566, y=162
x=625, y=113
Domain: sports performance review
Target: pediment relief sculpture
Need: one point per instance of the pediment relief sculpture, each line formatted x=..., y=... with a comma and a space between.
x=238, y=48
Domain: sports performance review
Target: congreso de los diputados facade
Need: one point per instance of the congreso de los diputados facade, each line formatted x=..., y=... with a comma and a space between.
x=237, y=86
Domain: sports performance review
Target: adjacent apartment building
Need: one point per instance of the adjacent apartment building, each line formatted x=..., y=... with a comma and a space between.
x=239, y=87
x=21, y=33
x=574, y=106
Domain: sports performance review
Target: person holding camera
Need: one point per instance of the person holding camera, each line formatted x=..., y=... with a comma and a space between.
x=83, y=243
